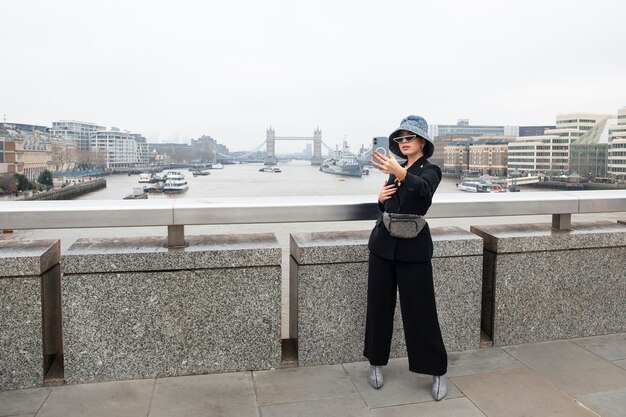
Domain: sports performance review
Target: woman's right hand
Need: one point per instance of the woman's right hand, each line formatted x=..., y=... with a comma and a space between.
x=386, y=192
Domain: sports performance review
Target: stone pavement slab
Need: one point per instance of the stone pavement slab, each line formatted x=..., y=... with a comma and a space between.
x=22, y=401
x=107, y=399
x=302, y=384
x=621, y=363
x=479, y=361
x=223, y=395
x=606, y=404
x=518, y=392
x=611, y=347
x=400, y=385
x=570, y=367
x=350, y=406
x=560, y=378
x=458, y=407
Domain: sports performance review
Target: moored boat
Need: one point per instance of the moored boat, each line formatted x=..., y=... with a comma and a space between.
x=145, y=177
x=344, y=165
x=343, y=162
x=200, y=172
x=471, y=186
x=481, y=186
x=270, y=169
x=175, y=183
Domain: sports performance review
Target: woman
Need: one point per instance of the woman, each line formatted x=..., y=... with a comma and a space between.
x=403, y=263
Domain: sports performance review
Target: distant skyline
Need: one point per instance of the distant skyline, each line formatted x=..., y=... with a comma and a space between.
x=174, y=71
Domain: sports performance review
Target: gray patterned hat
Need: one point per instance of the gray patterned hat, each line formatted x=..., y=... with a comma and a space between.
x=417, y=125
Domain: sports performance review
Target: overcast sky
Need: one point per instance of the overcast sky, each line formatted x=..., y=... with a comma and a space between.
x=230, y=69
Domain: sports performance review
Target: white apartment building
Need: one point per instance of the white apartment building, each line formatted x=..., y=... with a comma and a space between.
x=119, y=149
x=77, y=132
x=549, y=152
x=530, y=154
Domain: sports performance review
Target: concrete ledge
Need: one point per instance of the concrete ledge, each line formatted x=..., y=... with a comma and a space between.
x=541, y=284
x=537, y=237
x=28, y=272
x=328, y=284
x=139, y=310
x=151, y=253
x=27, y=258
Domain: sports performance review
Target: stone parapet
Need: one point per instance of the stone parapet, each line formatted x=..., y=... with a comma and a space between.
x=29, y=311
x=543, y=284
x=133, y=308
x=328, y=284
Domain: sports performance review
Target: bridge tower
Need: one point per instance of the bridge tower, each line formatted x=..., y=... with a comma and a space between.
x=270, y=143
x=317, y=147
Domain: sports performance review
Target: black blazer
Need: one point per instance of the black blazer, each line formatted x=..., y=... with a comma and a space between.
x=413, y=196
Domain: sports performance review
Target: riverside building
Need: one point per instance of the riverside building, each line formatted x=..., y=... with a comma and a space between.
x=78, y=132
x=112, y=148
x=206, y=149
x=29, y=150
x=489, y=156
x=550, y=153
x=481, y=155
x=118, y=149
x=453, y=145
x=462, y=127
x=24, y=152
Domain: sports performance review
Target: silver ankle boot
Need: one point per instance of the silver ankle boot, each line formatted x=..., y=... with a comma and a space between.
x=376, y=376
x=440, y=387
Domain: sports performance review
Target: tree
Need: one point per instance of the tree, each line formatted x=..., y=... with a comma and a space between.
x=63, y=157
x=22, y=182
x=8, y=183
x=45, y=178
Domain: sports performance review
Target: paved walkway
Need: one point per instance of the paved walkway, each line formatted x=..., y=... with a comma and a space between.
x=577, y=377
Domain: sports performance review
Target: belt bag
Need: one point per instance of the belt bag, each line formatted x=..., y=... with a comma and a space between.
x=403, y=226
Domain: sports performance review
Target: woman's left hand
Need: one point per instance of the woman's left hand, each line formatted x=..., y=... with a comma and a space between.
x=387, y=164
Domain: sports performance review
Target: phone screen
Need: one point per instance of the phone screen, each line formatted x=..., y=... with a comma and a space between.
x=380, y=144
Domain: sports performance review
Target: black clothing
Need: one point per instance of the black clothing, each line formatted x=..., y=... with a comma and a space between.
x=414, y=196
x=424, y=345
x=405, y=265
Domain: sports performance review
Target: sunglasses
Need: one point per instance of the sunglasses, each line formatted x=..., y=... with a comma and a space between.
x=407, y=138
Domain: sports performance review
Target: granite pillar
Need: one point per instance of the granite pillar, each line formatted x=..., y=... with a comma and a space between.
x=328, y=287
x=543, y=284
x=132, y=308
x=30, y=331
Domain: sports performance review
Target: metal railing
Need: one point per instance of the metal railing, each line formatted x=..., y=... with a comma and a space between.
x=176, y=213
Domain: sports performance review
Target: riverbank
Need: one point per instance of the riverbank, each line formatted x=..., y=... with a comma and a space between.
x=582, y=186
x=553, y=185
x=70, y=192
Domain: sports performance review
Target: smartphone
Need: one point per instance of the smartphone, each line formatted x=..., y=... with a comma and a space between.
x=380, y=144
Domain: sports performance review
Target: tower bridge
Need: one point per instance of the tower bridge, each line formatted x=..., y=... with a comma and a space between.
x=270, y=146
x=270, y=143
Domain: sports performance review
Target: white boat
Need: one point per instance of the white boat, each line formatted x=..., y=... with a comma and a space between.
x=175, y=183
x=480, y=186
x=471, y=186
x=201, y=172
x=145, y=177
x=270, y=169
x=491, y=188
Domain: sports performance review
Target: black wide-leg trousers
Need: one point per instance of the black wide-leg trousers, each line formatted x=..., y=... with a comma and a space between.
x=414, y=282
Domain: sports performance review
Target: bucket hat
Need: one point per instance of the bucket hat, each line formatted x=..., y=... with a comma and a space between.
x=413, y=124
